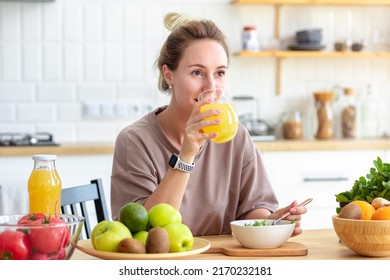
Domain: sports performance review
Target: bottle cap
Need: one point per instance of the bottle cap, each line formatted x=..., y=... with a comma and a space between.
x=44, y=157
x=249, y=27
x=348, y=91
x=323, y=96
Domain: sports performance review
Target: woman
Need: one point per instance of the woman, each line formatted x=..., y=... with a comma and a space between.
x=164, y=156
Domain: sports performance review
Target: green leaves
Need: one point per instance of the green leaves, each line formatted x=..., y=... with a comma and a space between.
x=257, y=223
x=375, y=184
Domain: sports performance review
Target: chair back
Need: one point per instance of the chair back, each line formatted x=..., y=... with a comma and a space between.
x=79, y=200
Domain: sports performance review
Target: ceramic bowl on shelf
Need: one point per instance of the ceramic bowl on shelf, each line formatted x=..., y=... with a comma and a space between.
x=260, y=234
x=357, y=46
x=39, y=237
x=309, y=36
x=365, y=237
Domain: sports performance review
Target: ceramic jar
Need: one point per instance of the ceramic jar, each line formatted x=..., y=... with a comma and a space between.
x=292, y=126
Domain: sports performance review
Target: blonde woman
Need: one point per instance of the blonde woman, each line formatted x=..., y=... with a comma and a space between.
x=165, y=157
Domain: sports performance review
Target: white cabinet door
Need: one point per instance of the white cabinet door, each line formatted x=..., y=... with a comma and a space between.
x=319, y=175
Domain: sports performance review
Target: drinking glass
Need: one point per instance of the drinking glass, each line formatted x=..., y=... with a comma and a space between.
x=227, y=128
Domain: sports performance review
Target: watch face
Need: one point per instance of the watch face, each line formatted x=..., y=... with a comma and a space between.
x=173, y=160
x=176, y=163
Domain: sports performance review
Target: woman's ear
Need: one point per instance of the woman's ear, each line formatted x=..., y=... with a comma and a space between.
x=167, y=73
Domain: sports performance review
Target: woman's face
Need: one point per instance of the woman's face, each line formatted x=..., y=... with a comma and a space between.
x=203, y=66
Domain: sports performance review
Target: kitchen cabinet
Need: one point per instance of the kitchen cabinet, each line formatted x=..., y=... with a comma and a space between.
x=280, y=55
x=319, y=175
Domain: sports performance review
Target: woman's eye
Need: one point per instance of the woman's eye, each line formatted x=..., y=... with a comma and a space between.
x=221, y=73
x=197, y=73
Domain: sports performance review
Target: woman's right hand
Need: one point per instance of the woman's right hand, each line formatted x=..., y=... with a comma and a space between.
x=194, y=137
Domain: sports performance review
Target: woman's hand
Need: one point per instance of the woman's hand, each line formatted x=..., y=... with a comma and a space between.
x=296, y=212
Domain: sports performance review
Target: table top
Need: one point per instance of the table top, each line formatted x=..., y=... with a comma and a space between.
x=322, y=244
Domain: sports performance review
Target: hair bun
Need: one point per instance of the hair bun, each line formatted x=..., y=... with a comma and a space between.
x=173, y=20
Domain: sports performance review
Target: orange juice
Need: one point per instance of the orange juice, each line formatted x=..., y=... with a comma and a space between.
x=44, y=186
x=228, y=126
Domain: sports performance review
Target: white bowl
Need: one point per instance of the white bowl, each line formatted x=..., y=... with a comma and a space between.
x=264, y=236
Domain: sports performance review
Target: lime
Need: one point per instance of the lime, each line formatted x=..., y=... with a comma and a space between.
x=141, y=236
x=134, y=216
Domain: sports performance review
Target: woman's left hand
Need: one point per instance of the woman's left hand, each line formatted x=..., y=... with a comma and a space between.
x=296, y=212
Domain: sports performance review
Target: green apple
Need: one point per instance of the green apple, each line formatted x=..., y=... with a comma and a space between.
x=180, y=237
x=141, y=236
x=106, y=235
x=163, y=214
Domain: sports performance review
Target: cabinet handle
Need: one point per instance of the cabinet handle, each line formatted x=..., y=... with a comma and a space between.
x=325, y=179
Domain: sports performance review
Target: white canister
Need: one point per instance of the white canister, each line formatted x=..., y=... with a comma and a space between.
x=369, y=115
x=250, y=39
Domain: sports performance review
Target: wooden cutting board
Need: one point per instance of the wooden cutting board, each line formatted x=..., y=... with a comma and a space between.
x=228, y=245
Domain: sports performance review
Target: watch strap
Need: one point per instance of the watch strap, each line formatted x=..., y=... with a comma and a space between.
x=176, y=163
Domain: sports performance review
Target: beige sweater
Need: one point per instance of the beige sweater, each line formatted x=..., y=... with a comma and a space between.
x=229, y=179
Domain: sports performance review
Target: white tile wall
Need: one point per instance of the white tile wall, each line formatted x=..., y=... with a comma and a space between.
x=57, y=56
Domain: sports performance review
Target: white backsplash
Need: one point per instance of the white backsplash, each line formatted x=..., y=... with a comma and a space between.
x=61, y=59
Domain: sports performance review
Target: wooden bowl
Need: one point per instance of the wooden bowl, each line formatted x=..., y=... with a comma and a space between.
x=365, y=237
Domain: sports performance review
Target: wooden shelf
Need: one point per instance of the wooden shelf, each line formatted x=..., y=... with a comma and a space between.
x=279, y=55
x=312, y=54
x=315, y=2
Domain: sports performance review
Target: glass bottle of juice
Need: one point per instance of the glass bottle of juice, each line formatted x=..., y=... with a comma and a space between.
x=44, y=186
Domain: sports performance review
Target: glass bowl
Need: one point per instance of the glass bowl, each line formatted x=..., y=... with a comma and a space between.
x=39, y=237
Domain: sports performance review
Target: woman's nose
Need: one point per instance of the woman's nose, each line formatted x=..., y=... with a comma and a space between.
x=209, y=83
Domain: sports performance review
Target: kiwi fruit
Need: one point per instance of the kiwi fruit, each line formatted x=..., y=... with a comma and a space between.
x=351, y=211
x=131, y=245
x=157, y=241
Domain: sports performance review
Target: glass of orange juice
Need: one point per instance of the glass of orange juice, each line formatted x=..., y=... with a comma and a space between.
x=227, y=128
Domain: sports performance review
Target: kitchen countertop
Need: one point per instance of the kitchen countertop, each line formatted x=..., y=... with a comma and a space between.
x=264, y=146
x=322, y=145
x=322, y=244
x=63, y=149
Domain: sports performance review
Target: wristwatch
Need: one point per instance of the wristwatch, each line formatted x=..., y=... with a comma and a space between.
x=176, y=163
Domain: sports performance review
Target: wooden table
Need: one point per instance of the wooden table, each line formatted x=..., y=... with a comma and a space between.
x=322, y=244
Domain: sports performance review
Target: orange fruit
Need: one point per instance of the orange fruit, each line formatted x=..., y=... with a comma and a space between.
x=382, y=213
x=367, y=209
